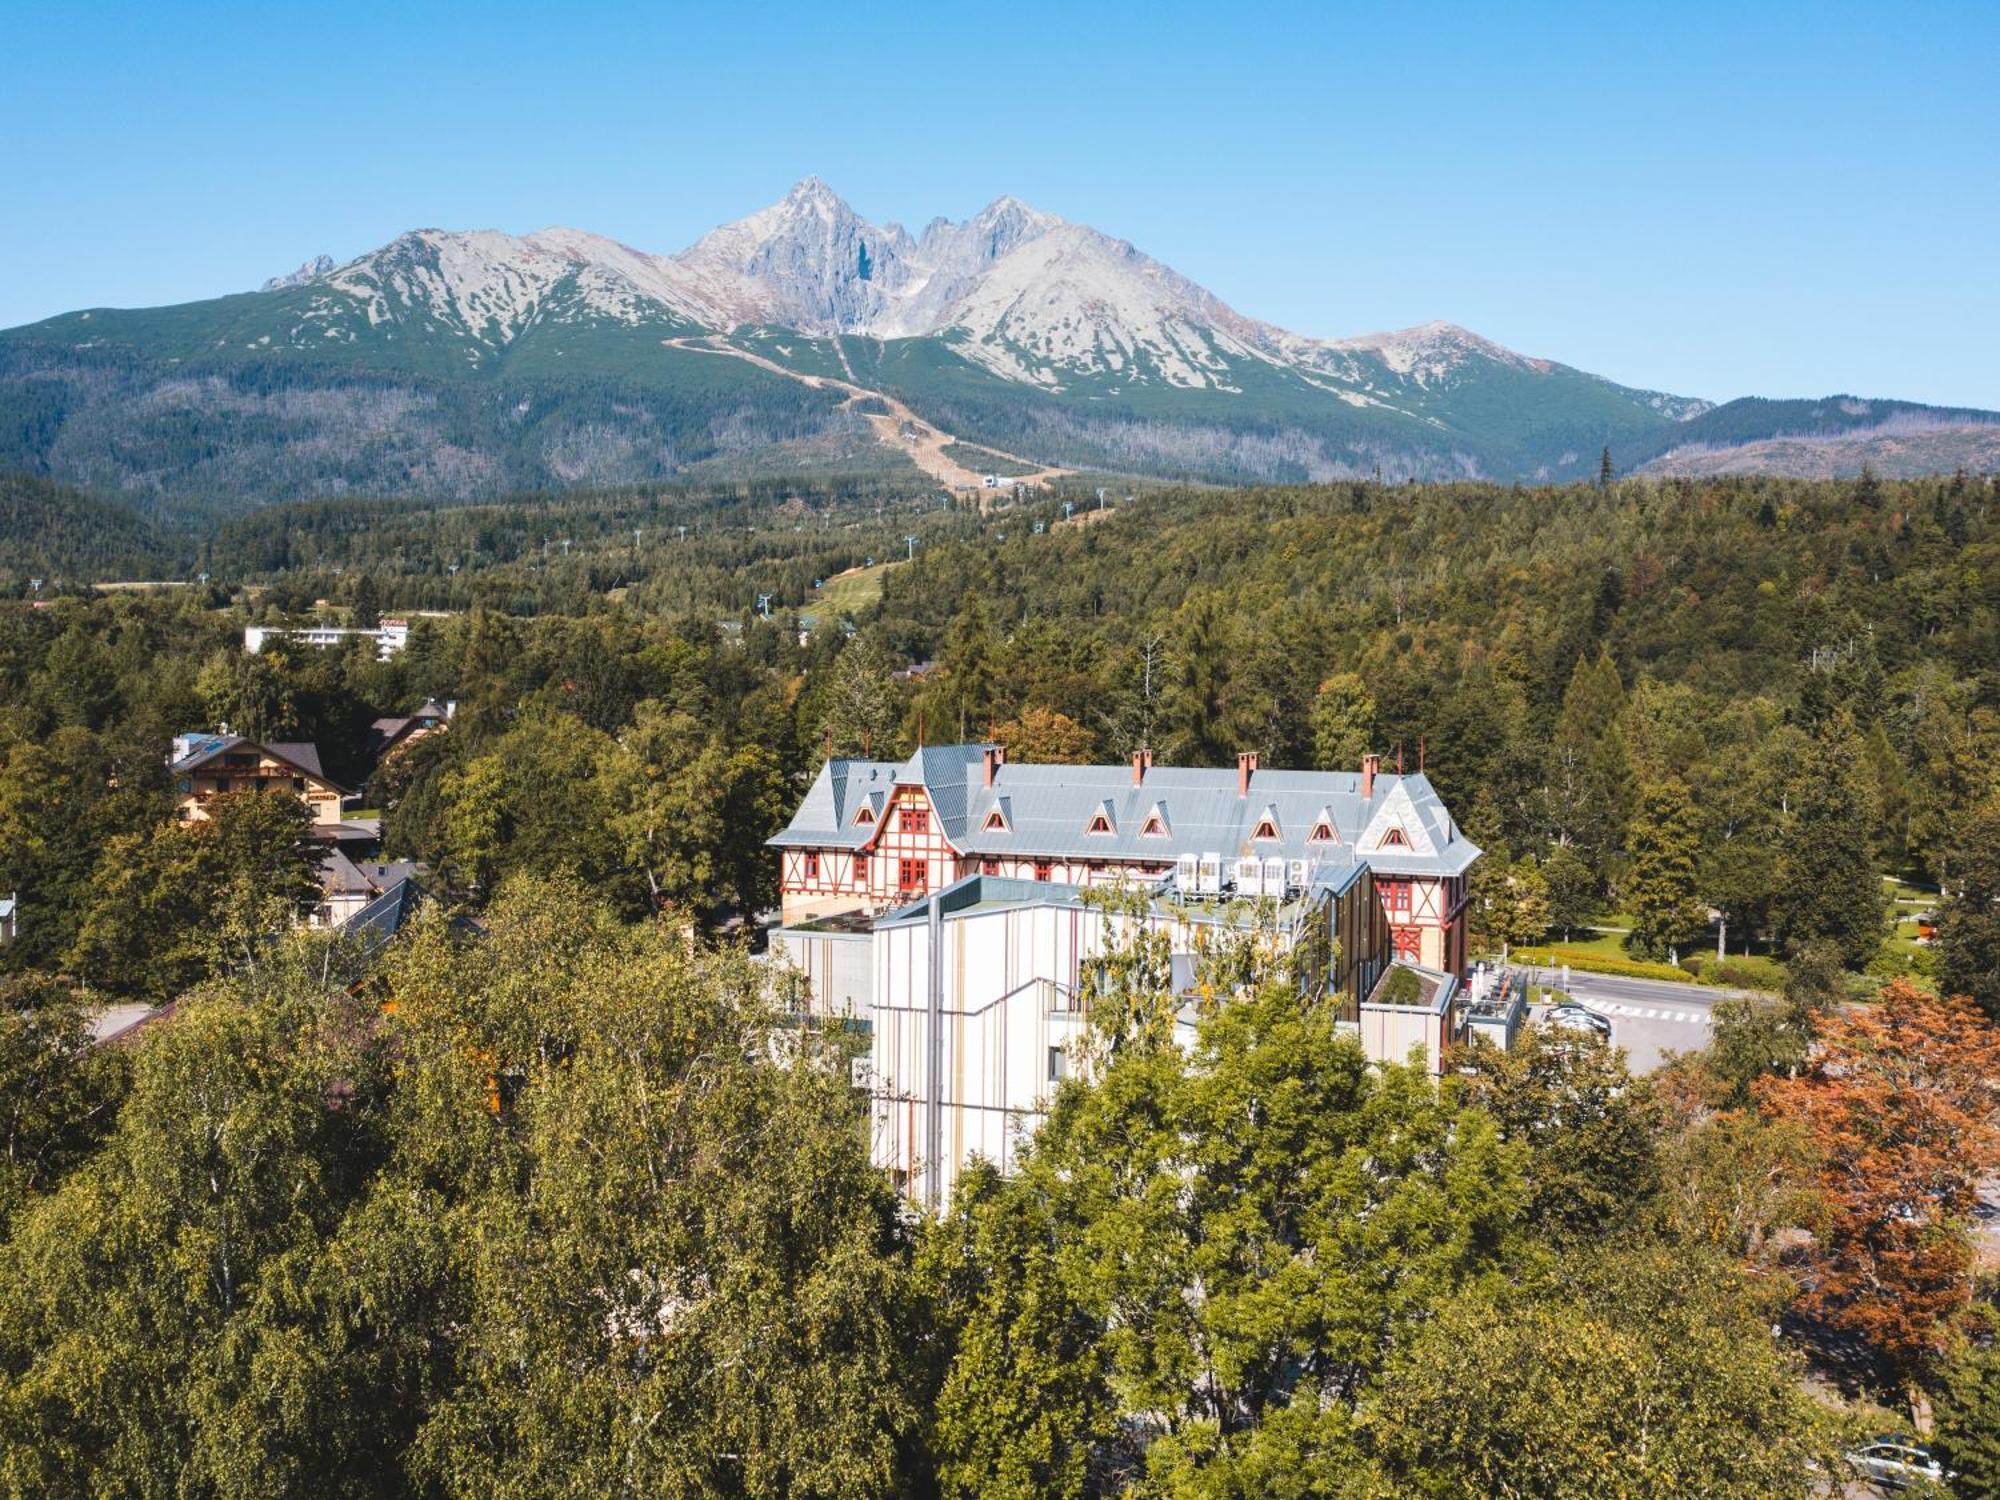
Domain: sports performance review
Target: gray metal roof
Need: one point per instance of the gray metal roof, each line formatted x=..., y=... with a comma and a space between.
x=1046, y=811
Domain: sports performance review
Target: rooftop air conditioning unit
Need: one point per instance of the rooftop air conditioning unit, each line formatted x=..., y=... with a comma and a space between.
x=1250, y=876
x=1301, y=875
x=1187, y=873
x=1208, y=877
x=1274, y=878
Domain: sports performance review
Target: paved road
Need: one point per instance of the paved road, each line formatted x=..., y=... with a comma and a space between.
x=1650, y=1018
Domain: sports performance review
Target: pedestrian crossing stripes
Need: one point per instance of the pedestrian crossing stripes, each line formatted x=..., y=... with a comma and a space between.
x=1652, y=1012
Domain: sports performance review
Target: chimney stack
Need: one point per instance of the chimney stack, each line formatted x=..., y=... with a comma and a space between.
x=1246, y=762
x=1371, y=763
x=1142, y=762
x=992, y=762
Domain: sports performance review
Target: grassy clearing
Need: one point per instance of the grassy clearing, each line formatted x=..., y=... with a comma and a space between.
x=853, y=592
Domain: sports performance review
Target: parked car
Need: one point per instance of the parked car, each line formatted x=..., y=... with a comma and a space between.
x=1896, y=1463
x=1570, y=1016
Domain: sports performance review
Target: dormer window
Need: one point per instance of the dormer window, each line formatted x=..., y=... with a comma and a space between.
x=996, y=822
x=1266, y=829
x=864, y=814
x=1322, y=833
x=1099, y=823
x=1155, y=828
x=1395, y=838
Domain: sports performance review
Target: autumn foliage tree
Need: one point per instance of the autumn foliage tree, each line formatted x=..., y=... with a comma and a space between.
x=1898, y=1101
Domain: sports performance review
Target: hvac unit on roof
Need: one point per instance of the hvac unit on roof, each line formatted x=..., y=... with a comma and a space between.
x=1274, y=878
x=1301, y=875
x=1187, y=872
x=1250, y=876
x=1208, y=875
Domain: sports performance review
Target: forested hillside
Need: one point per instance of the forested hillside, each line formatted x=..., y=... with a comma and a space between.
x=55, y=533
x=524, y=1206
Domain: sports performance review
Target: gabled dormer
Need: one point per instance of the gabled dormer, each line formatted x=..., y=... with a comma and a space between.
x=1155, y=824
x=1323, y=829
x=998, y=818
x=1266, y=828
x=1103, y=821
x=1397, y=827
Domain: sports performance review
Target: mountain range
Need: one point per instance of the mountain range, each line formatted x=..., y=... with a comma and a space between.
x=807, y=339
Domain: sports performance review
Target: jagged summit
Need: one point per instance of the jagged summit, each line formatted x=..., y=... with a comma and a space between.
x=318, y=266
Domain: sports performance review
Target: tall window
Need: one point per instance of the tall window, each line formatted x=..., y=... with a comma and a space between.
x=916, y=820
x=912, y=875
x=861, y=868
x=1043, y=869
x=1396, y=897
x=812, y=864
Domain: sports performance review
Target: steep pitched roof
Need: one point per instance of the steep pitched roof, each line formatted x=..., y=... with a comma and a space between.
x=1049, y=808
x=301, y=755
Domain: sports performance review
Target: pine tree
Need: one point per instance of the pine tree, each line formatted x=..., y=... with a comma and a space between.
x=1969, y=919
x=367, y=609
x=1829, y=886
x=1662, y=888
x=1605, y=472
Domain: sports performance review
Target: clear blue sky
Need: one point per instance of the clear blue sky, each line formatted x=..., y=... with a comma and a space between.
x=1714, y=200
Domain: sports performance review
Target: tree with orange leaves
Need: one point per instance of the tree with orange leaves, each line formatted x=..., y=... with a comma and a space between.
x=1899, y=1100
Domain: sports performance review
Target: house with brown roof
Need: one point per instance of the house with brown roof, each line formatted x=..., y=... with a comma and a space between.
x=386, y=734
x=205, y=766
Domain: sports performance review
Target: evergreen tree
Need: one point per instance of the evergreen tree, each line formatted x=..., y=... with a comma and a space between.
x=1969, y=917
x=367, y=607
x=862, y=711
x=1662, y=886
x=1605, y=471
x=1830, y=887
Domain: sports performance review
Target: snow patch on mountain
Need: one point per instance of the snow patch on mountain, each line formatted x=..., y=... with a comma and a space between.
x=1022, y=293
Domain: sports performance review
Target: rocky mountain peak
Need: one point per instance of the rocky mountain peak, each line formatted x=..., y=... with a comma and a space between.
x=312, y=270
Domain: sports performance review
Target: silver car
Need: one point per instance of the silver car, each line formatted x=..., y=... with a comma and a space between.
x=1573, y=1017
x=1895, y=1463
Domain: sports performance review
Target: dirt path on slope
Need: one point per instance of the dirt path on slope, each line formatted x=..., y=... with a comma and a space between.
x=898, y=427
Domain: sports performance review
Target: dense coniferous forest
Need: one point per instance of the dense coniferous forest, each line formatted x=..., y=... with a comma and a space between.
x=552, y=1197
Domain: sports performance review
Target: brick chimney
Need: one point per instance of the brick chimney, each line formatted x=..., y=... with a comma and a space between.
x=1371, y=764
x=993, y=758
x=1142, y=762
x=1246, y=762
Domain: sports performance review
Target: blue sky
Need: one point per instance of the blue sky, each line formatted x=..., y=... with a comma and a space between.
x=1717, y=201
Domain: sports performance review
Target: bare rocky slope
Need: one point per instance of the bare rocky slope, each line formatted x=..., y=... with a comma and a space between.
x=456, y=362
